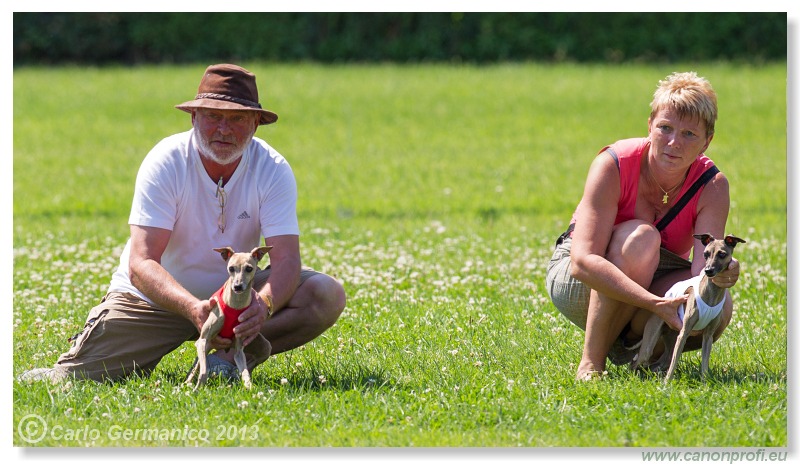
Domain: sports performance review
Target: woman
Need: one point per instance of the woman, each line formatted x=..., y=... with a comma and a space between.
x=610, y=270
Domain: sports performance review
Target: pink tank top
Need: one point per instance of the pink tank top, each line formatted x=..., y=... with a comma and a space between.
x=677, y=236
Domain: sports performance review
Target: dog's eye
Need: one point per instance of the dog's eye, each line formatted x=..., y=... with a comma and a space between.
x=706, y=254
x=231, y=269
x=248, y=269
x=722, y=255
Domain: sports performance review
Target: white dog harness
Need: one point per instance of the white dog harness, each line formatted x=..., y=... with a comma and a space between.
x=705, y=312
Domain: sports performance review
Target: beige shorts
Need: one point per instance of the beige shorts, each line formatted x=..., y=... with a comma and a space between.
x=571, y=297
x=125, y=334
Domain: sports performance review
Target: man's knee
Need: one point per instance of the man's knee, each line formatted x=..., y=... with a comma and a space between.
x=327, y=299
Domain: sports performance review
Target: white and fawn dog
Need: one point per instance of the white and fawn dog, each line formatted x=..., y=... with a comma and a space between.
x=231, y=300
x=707, y=317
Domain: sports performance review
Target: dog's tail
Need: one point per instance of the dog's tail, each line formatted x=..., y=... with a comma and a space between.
x=191, y=370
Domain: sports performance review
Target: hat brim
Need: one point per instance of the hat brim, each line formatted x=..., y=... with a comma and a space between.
x=266, y=117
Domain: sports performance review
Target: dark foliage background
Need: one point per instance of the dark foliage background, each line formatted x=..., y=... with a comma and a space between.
x=130, y=38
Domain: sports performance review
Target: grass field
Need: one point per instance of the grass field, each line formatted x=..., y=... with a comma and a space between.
x=434, y=193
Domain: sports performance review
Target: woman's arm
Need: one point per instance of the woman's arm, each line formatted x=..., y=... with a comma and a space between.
x=592, y=237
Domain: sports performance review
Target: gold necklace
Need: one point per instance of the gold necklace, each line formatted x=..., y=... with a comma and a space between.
x=665, y=198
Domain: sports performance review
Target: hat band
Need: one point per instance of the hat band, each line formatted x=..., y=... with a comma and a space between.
x=222, y=97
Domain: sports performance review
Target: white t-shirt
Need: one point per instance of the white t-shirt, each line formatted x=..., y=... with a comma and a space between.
x=174, y=192
x=705, y=312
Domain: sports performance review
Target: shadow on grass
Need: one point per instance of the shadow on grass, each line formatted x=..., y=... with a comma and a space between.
x=737, y=375
x=690, y=373
x=311, y=379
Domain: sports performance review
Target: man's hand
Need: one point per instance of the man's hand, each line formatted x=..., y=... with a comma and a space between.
x=200, y=313
x=252, y=319
x=728, y=277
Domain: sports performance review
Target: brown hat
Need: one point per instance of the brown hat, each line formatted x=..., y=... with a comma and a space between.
x=230, y=87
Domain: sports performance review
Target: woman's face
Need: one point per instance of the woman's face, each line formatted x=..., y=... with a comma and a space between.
x=676, y=142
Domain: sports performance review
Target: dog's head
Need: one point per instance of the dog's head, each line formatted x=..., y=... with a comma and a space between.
x=717, y=252
x=242, y=266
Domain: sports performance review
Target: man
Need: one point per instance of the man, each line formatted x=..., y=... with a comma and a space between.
x=215, y=185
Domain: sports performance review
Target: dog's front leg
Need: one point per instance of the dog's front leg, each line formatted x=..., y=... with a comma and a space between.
x=210, y=329
x=708, y=339
x=241, y=362
x=202, y=350
x=689, y=320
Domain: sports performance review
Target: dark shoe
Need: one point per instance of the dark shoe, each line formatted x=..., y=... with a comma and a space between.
x=219, y=367
x=621, y=354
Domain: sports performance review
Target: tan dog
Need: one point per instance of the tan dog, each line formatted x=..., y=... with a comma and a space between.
x=717, y=254
x=232, y=299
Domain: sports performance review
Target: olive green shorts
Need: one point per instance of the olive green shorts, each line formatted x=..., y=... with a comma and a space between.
x=571, y=296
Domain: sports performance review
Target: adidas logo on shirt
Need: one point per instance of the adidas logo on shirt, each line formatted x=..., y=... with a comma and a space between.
x=243, y=216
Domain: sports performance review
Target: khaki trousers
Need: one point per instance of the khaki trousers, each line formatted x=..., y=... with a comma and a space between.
x=125, y=334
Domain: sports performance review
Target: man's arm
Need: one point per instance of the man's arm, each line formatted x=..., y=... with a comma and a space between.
x=147, y=275
x=284, y=261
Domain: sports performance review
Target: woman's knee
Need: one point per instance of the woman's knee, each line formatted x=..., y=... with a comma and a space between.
x=635, y=234
x=635, y=248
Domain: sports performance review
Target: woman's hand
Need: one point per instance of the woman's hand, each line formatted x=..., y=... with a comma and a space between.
x=728, y=277
x=667, y=310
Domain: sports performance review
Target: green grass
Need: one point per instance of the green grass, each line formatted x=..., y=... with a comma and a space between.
x=434, y=193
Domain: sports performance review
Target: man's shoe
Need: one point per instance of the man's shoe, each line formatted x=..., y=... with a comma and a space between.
x=54, y=375
x=219, y=367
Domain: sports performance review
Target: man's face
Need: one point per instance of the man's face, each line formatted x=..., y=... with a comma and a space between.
x=224, y=134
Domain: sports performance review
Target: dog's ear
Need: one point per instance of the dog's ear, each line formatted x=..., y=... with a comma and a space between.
x=225, y=252
x=704, y=238
x=259, y=252
x=731, y=240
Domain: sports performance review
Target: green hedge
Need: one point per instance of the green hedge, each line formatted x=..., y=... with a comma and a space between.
x=101, y=38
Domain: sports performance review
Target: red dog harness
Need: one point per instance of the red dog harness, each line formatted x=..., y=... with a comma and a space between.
x=231, y=314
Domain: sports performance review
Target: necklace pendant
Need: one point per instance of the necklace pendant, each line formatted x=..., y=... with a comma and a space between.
x=665, y=199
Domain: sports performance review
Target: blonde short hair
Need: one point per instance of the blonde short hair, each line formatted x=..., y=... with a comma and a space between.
x=689, y=95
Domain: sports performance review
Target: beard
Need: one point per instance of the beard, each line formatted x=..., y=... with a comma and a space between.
x=221, y=157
